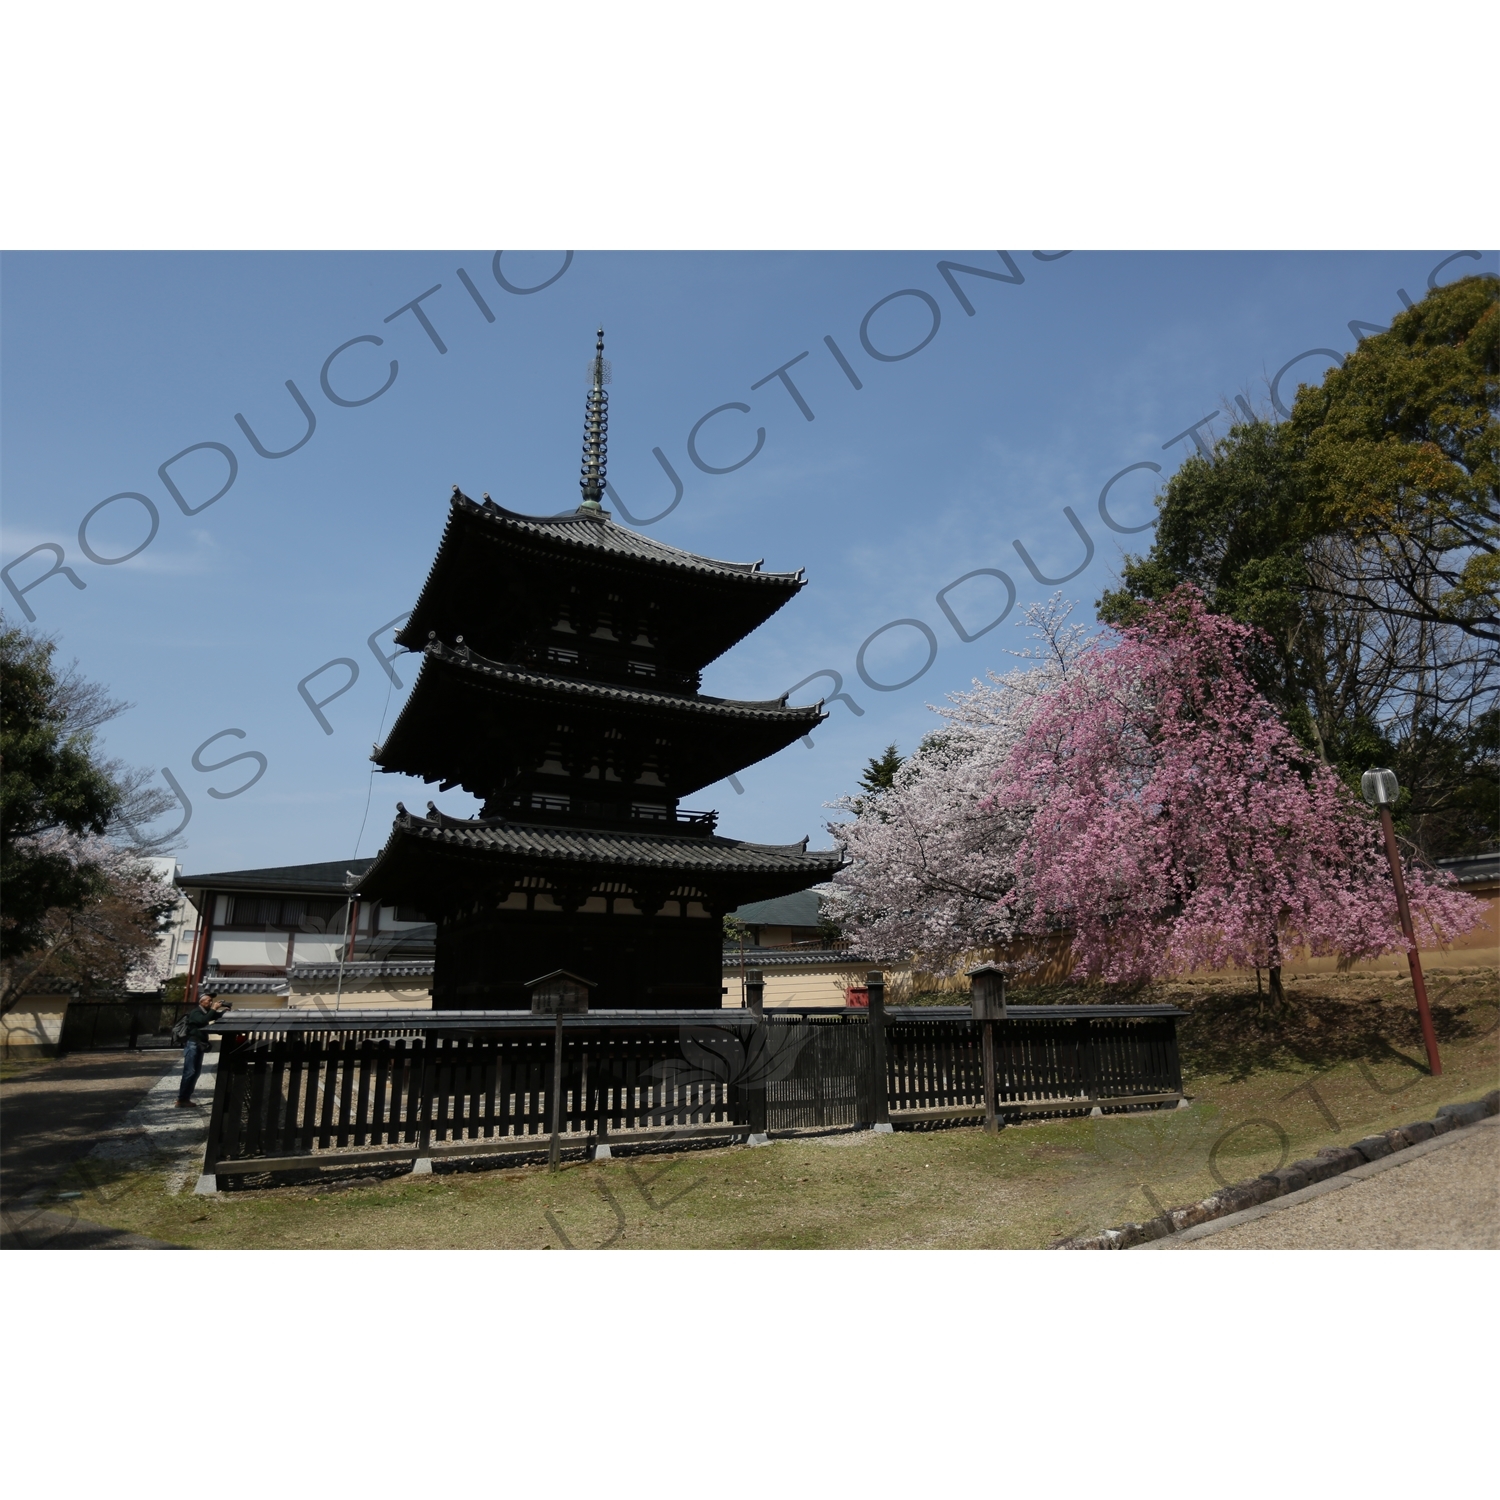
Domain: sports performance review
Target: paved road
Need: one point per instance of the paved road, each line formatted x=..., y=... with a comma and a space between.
x=54, y=1115
x=1445, y=1199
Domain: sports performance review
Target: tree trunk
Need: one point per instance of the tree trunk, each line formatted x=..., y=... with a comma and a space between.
x=1278, y=995
x=1277, y=998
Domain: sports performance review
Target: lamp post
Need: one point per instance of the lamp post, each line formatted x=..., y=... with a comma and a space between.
x=1380, y=789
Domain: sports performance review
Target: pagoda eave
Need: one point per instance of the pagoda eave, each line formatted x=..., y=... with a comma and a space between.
x=483, y=543
x=469, y=720
x=432, y=861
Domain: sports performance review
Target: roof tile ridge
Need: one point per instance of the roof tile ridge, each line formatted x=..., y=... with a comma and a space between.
x=469, y=657
x=766, y=703
x=611, y=831
x=494, y=511
x=800, y=847
x=750, y=570
x=439, y=821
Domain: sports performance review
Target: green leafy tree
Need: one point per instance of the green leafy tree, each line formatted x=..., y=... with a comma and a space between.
x=50, y=781
x=1239, y=528
x=78, y=906
x=1401, y=449
x=1356, y=536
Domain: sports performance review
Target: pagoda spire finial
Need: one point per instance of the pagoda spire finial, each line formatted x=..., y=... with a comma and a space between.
x=595, y=432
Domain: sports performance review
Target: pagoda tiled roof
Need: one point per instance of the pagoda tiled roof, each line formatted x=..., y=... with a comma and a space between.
x=601, y=846
x=598, y=532
x=765, y=711
x=562, y=851
x=442, y=731
x=723, y=600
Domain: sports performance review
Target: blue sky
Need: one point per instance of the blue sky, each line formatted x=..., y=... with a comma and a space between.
x=935, y=467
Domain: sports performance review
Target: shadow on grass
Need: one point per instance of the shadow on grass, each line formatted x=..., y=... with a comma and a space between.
x=1236, y=1035
x=1231, y=1030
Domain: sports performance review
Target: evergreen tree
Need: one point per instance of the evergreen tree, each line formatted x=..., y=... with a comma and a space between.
x=880, y=774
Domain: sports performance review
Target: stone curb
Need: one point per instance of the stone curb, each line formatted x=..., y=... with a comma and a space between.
x=1312, y=1177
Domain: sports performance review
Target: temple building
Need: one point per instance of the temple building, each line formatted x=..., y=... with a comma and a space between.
x=562, y=660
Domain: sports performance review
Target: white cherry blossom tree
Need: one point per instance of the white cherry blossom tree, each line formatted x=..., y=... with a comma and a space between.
x=928, y=863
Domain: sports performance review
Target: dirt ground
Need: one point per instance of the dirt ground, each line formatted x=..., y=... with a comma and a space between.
x=53, y=1112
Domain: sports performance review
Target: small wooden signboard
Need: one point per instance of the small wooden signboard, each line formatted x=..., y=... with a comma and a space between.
x=987, y=992
x=558, y=994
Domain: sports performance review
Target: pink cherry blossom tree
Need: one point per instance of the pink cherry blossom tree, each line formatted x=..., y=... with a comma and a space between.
x=930, y=859
x=1171, y=821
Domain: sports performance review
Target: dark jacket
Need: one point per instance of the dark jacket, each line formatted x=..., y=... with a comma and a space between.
x=197, y=1023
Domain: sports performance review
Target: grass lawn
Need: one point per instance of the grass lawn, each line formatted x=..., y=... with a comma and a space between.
x=1344, y=1061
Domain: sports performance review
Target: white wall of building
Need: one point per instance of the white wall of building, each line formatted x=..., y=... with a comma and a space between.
x=266, y=951
x=174, y=946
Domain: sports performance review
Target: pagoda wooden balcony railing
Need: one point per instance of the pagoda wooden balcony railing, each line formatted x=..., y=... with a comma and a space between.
x=542, y=808
x=568, y=661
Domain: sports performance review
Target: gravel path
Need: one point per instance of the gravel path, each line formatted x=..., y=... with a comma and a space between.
x=1446, y=1199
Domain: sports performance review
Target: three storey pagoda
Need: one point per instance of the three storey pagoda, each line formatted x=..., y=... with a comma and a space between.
x=562, y=659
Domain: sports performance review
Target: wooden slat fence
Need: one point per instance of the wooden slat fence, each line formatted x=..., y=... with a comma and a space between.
x=824, y=1081
x=1109, y=1053
x=312, y=1090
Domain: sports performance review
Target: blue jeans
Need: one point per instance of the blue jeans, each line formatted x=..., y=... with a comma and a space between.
x=192, y=1066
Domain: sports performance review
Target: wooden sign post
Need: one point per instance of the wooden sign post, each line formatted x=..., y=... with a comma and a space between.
x=558, y=994
x=554, y=1146
x=987, y=1002
x=757, y=1059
